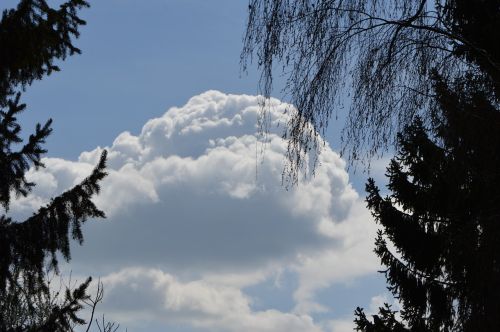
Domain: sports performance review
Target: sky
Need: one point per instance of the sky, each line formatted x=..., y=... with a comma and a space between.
x=200, y=234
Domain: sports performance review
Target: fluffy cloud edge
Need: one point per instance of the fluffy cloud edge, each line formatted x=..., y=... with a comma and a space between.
x=215, y=136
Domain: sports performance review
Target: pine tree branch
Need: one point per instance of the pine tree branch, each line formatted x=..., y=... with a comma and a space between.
x=47, y=231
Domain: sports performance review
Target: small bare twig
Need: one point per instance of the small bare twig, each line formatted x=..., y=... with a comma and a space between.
x=107, y=326
x=92, y=302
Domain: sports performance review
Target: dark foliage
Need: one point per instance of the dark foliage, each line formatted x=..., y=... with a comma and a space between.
x=385, y=321
x=373, y=56
x=33, y=36
x=40, y=312
x=429, y=70
x=441, y=217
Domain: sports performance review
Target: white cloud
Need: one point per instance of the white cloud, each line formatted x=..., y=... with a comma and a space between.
x=191, y=195
x=341, y=325
x=150, y=294
x=341, y=264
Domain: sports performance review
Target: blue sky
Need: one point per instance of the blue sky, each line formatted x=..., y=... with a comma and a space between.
x=194, y=240
x=137, y=61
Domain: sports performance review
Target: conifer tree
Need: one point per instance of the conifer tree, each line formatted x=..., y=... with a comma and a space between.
x=439, y=236
x=432, y=67
x=34, y=35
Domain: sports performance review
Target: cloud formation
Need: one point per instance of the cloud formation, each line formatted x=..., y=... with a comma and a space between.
x=152, y=294
x=191, y=195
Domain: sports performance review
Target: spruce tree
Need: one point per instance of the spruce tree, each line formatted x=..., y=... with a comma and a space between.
x=439, y=235
x=33, y=36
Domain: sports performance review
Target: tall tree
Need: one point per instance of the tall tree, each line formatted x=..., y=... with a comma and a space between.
x=441, y=217
x=374, y=56
x=33, y=36
x=432, y=70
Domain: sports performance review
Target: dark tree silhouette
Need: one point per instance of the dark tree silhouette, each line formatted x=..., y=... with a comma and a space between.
x=428, y=69
x=373, y=56
x=33, y=36
x=441, y=217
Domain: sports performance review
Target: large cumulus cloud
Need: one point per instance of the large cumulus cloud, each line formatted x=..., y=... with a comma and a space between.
x=191, y=194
